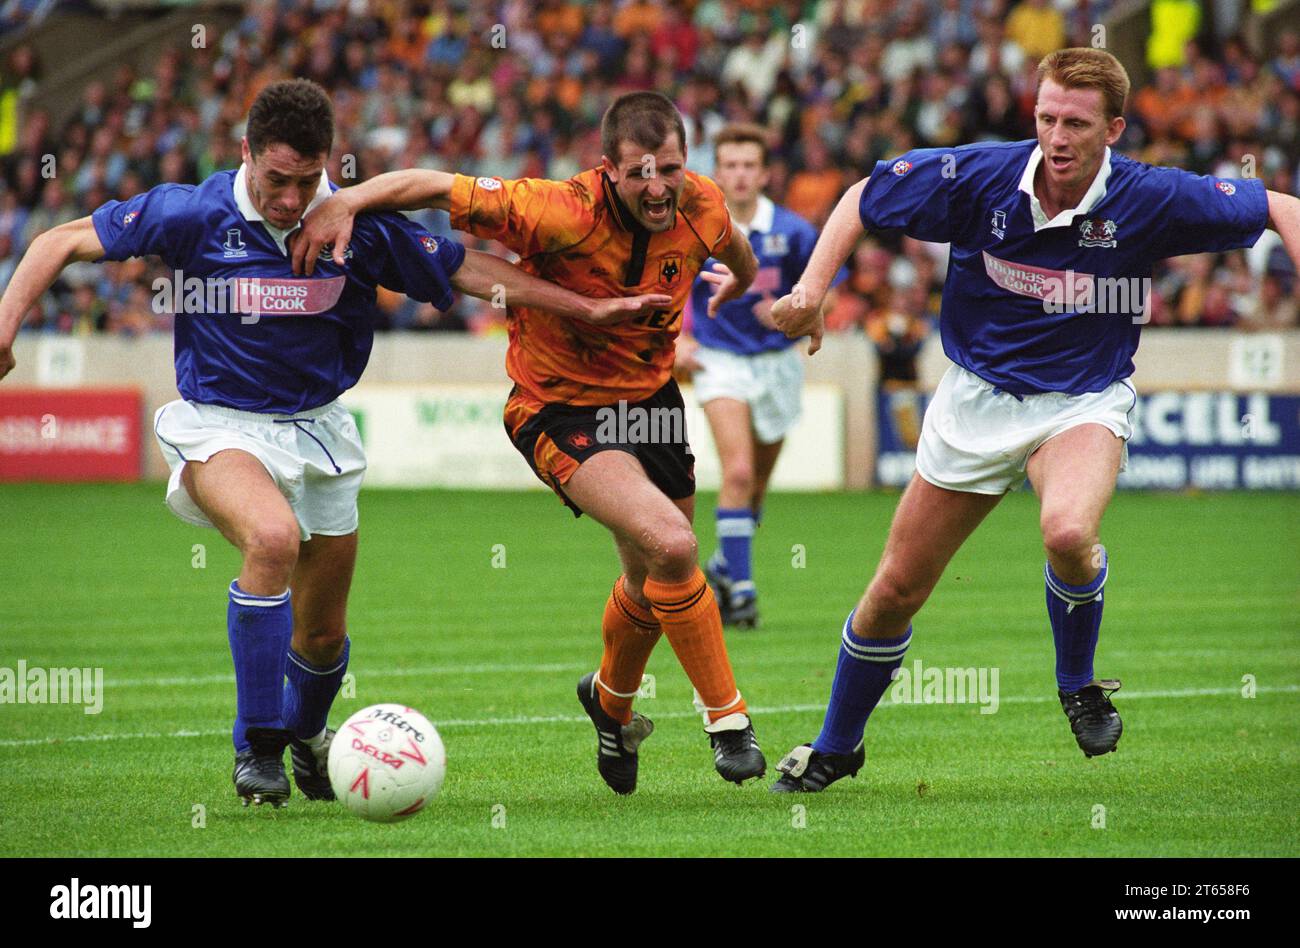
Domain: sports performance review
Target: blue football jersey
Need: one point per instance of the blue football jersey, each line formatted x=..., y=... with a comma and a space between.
x=292, y=343
x=1032, y=305
x=782, y=241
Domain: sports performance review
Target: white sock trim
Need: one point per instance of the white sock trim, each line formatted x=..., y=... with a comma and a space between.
x=241, y=598
x=312, y=669
x=610, y=691
x=736, y=721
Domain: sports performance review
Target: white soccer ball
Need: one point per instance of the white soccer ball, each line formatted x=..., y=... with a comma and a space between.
x=386, y=763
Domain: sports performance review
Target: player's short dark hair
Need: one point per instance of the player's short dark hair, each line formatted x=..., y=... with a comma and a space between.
x=644, y=118
x=293, y=112
x=743, y=133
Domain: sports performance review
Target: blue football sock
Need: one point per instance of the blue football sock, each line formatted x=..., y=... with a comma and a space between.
x=259, y=628
x=1075, y=612
x=735, y=537
x=863, y=672
x=309, y=691
x=717, y=564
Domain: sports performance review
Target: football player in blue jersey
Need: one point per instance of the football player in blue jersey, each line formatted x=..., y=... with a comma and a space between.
x=1052, y=247
x=747, y=375
x=258, y=444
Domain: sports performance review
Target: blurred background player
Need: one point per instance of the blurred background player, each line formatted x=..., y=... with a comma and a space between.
x=747, y=374
x=640, y=222
x=1037, y=390
x=258, y=445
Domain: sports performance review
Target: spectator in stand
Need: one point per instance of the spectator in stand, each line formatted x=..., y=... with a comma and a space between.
x=817, y=186
x=755, y=63
x=637, y=18
x=676, y=41
x=1165, y=106
x=1174, y=23
x=1201, y=299
x=911, y=49
x=600, y=37
x=1275, y=306
x=991, y=114
x=955, y=23
x=8, y=259
x=995, y=53
x=1037, y=27
x=1286, y=64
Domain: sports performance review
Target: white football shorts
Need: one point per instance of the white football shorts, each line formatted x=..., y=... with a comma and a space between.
x=314, y=457
x=771, y=383
x=977, y=438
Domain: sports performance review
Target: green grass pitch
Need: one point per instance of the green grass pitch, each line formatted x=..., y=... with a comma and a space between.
x=1203, y=593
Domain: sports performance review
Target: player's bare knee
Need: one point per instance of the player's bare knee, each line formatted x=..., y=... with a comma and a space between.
x=272, y=547
x=896, y=595
x=672, y=553
x=738, y=479
x=1067, y=537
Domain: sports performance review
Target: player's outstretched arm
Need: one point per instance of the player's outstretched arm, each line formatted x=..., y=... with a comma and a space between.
x=36, y=272
x=1284, y=217
x=330, y=222
x=731, y=278
x=800, y=312
x=490, y=278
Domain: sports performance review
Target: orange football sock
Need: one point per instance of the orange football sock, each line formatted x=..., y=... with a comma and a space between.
x=689, y=616
x=630, y=634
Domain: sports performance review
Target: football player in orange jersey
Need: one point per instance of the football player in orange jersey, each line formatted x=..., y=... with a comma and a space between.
x=594, y=408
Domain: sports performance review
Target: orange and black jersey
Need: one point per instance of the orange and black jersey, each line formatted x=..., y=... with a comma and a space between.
x=580, y=235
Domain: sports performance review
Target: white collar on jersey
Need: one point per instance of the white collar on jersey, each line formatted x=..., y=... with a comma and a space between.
x=1096, y=191
x=245, y=205
x=764, y=215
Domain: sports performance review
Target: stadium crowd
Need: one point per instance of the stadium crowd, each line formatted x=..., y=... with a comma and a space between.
x=517, y=89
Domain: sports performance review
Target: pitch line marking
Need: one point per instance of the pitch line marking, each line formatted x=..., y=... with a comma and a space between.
x=667, y=715
x=444, y=669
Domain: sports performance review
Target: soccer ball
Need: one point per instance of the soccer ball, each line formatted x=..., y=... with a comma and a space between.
x=386, y=763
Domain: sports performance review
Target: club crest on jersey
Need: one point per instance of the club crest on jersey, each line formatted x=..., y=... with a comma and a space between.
x=130, y=217
x=1000, y=224
x=670, y=268
x=1095, y=232
x=776, y=245
x=901, y=167
x=234, y=245
x=430, y=244
x=1227, y=187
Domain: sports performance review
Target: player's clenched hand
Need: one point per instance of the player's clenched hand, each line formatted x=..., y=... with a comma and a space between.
x=329, y=223
x=610, y=312
x=796, y=315
x=725, y=286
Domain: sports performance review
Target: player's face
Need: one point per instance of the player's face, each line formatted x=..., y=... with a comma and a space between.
x=282, y=182
x=1073, y=132
x=740, y=171
x=650, y=183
